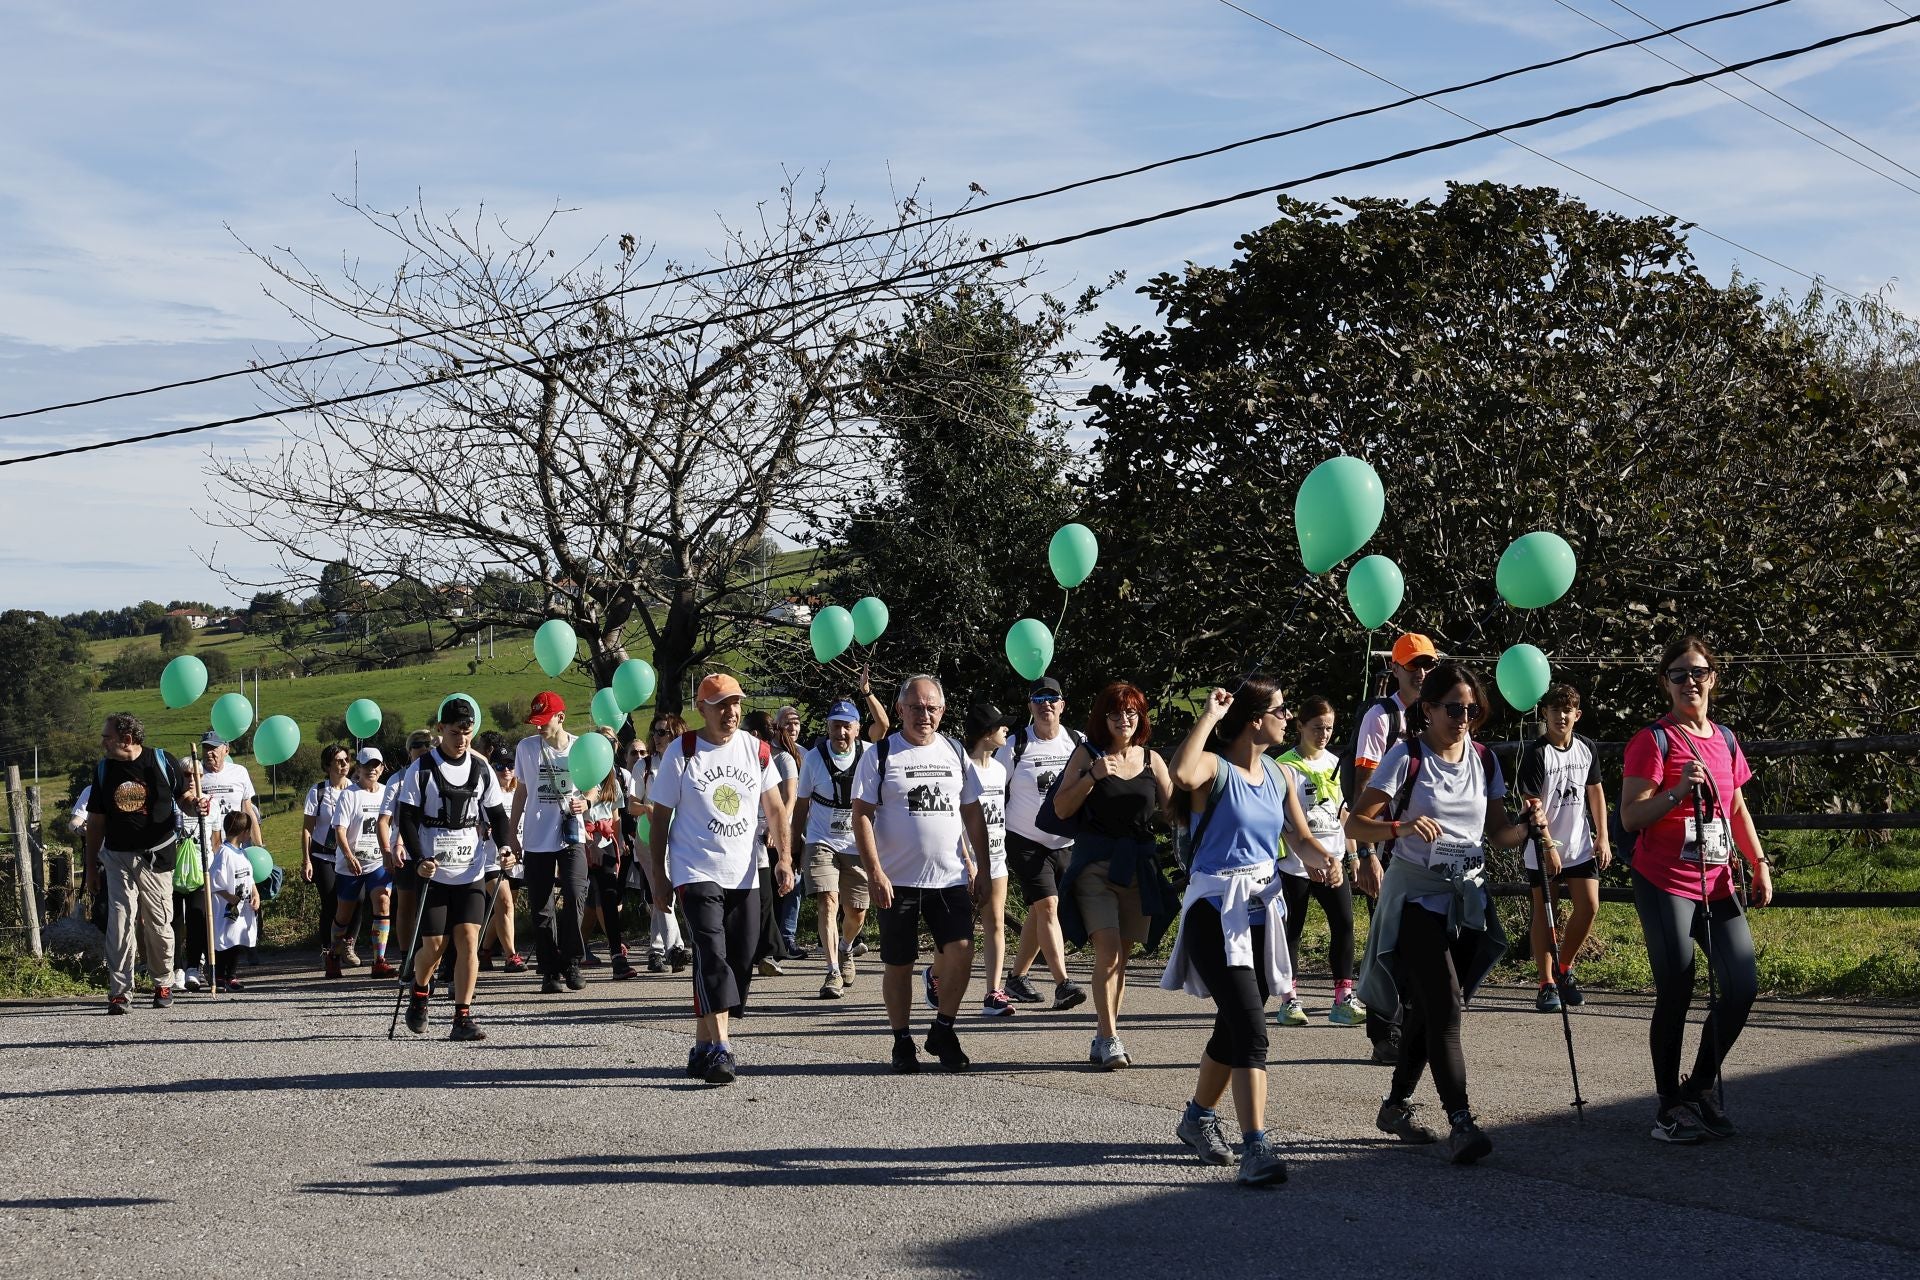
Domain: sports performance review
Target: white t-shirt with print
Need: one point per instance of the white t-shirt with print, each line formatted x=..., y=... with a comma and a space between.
x=784, y=769
x=237, y=924
x=993, y=807
x=715, y=798
x=1453, y=794
x=542, y=770
x=1040, y=764
x=455, y=852
x=354, y=812
x=826, y=826
x=230, y=788
x=917, y=831
x=1323, y=816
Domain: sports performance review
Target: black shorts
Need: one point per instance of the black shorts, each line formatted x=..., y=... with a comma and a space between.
x=1037, y=869
x=451, y=904
x=947, y=913
x=1588, y=870
x=406, y=879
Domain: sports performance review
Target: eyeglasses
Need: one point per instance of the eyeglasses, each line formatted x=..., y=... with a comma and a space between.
x=1689, y=675
x=1461, y=710
x=924, y=708
x=1123, y=715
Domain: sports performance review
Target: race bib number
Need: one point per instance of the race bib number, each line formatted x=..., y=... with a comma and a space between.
x=454, y=850
x=367, y=847
x=1713, y=842
x=1323, y=821
x=842, y=824
x=1457, y=853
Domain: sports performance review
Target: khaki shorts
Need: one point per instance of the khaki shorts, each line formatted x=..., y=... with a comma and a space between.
x=1105, y=905
x=826, y=870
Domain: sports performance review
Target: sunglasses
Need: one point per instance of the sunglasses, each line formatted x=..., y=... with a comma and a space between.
x=1278, y=713
x=1689, y=675
x=1423, y=664
x=1461, y=710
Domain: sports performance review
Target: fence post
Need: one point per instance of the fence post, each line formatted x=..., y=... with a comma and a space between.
x=23, y=858
x=38, y=839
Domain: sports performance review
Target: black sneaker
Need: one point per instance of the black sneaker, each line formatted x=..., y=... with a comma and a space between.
x=573, y=979
x=1548, y=999
x=622, y=969
x=117, y=1004
x=721, y=1068
x=1570, y=993
x=678, y=958
x=1020, y=989
x=697, y=1061
x=464, y=1028
x=1465, y=1143
x=656, y=961
x=1397, y=1119
x=944, y=1044
x=163, y=997
x=550, y=985
x=1679, y=1124
x=1068, y=995
x=417, y=1012
x=906, y=1059
x=1386, y=1053
x=1714, y=1121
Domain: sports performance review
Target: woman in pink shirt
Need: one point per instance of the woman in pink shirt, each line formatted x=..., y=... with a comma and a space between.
x=1681, y=791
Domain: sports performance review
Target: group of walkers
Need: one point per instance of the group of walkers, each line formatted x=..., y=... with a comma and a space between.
x=721, y=827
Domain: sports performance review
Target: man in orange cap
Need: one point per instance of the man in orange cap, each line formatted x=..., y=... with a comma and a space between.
x=705, y=795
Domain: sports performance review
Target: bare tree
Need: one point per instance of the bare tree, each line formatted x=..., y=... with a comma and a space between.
x=615, y=458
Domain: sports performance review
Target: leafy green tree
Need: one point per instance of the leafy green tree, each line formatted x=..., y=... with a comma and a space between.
x=176, y=634
x=45, y=675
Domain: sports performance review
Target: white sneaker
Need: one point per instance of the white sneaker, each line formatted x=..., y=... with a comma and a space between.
x=180, y=978
x=194, y=980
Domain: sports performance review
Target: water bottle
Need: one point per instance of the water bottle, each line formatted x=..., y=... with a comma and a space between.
x=574, y=828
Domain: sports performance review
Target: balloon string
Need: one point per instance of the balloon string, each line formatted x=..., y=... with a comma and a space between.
x=1299, y=598
x=1366, y=664
x=1066, y=594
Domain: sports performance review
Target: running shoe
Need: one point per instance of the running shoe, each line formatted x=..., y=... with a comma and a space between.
x=721, y=1068
x=1291, y=1013
x=678, y=958
x=1465, y=1142
x=832, y=989
x=163, y=997
x=944, y=1044
x=796, y=952
x=1068, y=995
x=1714, y=1121
x=859, y=947
x=516, y=963
x=117, y=1004
x=381, y=969
x=656, y=960
x=1679, y=1124
x=1570, y=993
x=996, y=1005
x=352, y=958
x=464, y=1028
x=770, y=968
x=550, y=984
x=589, y=960
x=1261, y=1165
x=697, y=1061
x=1207, y=1136
x=1347, y=1011
x=931, y=986
x=333, y=964
x=1548, y=1001
x=1386, y=1053
x=1112, y=1055
x=1397, y=1119
x=179, y=978
x=231, y=986
x=194, y=980
x=1020, y=989
x=573, y=979
x=906, y=1059
x=417, y=1011
x=622, y=970
x=848, y=970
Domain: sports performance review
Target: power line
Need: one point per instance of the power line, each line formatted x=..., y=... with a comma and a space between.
x=921, y=223
x=1550, y=159
x=1756, y=107
x=990, y=258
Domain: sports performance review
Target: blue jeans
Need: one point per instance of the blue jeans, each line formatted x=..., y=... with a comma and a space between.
x=786, y=916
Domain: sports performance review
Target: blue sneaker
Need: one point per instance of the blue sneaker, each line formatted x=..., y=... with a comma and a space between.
x=697, y=1061
x=932, y=986
x=721, y=1068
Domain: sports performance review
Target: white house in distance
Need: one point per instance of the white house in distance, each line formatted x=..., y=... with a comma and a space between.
x=195, y=619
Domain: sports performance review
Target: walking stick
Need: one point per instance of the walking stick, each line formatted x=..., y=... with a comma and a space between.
x=1708, y=1033
x=1553, y=949
x=206, y=867
x=406, y=970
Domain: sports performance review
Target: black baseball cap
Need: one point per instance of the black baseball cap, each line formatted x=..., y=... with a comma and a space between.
x=1043, y=688
x=983, y=718
x=501, y=759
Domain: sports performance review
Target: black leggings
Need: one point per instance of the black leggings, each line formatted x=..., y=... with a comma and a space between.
x=1427, y=965
x=556, y=930
x=1672, y=925
x=189, y=932
x=1338, y=904
x=325, y=881
x=606, y=896
x=1239, y=994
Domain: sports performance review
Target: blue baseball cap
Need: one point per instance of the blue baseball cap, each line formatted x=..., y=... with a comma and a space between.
x=844, y=710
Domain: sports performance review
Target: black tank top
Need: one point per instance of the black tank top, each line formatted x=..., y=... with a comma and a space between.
x=1122, y=808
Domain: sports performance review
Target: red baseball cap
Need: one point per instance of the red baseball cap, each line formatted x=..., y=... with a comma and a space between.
x=718, y=688
x=546, y=705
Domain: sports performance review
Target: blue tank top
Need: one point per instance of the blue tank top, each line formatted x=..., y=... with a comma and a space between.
x=1245, y=826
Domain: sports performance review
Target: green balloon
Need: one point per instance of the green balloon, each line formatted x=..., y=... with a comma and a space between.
x=870, y=618
x=183, y=681
x=467, y=698
x=607, y=711
x=554, y=645
x=633, y=683
x=589, y=761
x=645, y=827
x=260, y=862
x=1337, y=509
x=275, y=741
x=831, y=632
x=232, y=715
x=1375, y=588
x=1523, y=675
x=363, y=717
x=1535, y=570
x=1072, y=554
x=1030, y=648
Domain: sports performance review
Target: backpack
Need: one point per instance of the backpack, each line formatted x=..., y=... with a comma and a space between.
x=1020, y=742
x=883, y=748
x=1396, y=730
x=842, y=797
x=1048, y=818
x=458, y=805
x=1403, y=794
x=1623, y=840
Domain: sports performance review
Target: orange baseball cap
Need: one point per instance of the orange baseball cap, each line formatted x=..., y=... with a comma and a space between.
x=1410, y=646
x=718, y=688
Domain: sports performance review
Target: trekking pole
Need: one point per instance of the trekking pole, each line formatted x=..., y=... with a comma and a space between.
x=1708, y=1033
x=406, y=970
x=1553, y=949
x=206, y=867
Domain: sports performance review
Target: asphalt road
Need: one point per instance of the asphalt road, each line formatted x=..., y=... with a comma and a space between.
x=279, y=1132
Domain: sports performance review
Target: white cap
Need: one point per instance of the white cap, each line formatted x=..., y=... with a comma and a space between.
x=370, y=754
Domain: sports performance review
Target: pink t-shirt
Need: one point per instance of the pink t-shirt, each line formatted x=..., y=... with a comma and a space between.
x=1656, y=855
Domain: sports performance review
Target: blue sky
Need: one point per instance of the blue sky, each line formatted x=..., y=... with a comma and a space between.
x=133, y=136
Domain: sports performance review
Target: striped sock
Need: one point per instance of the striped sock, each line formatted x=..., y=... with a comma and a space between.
x=382, y=929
